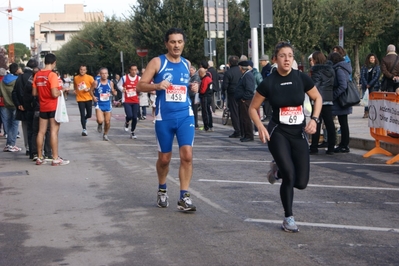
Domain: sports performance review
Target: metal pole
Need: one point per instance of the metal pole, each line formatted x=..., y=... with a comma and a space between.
x=262, y=39
x=225, y=30
x=123, y=70
x=209, y=31
x=255, y=50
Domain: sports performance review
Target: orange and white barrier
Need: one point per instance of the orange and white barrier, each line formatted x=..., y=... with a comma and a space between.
x=384, y=122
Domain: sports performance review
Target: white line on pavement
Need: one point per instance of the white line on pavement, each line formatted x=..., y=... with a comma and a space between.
x=309, y=185
x=335, y=226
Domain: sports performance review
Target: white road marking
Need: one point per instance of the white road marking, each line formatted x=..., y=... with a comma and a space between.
x=334, y=226
x=309, y=185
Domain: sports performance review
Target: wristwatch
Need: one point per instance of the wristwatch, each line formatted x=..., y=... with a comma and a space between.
x=316, y=119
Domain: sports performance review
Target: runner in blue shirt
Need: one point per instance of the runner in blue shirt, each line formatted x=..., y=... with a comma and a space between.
x=173, y=115
x=101, y=94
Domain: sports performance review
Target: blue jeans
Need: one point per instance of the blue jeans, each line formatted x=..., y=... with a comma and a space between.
x=10, y=124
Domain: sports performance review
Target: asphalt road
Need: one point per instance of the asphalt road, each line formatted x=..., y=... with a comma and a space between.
x=101, y=209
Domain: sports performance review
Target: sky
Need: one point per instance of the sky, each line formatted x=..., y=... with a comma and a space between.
x=24, y=20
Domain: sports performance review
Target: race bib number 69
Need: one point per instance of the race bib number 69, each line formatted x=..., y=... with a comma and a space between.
x=291, y=115
x=176, y=93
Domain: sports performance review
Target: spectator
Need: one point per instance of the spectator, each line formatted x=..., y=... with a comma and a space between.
x=343, y=70
x=266, y=66
x=8, y=111
x=205, y=94
x=323, y=74
x=194, y=82
x=369, y=77
x=390, y=70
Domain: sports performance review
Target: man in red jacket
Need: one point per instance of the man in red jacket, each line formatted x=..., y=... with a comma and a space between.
x=205, y=94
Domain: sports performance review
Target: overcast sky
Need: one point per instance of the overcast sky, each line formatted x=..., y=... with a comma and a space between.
x=24, y=20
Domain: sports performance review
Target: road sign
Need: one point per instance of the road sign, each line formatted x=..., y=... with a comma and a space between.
x=255, y=13
x=341, y=36
x=142, y=52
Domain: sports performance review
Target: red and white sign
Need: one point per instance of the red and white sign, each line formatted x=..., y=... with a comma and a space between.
x=142, y=52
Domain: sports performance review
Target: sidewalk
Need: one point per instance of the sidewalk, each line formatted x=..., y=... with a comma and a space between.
x=360, y=137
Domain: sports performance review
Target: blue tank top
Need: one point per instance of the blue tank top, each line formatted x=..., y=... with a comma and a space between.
x=173, y=102
x=103, y=94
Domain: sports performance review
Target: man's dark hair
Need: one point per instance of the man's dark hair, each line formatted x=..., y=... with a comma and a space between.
x=32, y=63
x=233, y=60
x=49, y=59
x=335, y=57
x=13, y=68
x=133, y=65
x=204, y=64
x=174, y=31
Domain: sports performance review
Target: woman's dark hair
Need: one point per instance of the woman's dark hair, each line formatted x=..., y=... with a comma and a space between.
x=367, y=61
x=335, y=57
x=281, y=45
x=340, y=50
x=319, y=58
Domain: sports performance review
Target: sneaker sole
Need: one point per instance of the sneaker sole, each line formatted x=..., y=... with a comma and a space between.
x=190, y=209
x=289, y=230
x=162, y=206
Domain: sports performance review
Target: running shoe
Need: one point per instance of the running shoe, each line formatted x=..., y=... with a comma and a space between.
x=185, y=204
x=289, y=225
x=100, y=128
x=6, y=148
x=48, y=158
x=105, y=138
x=84, y=132
x=34, y=157
x=126, y=127
x=40, y=161
x=133, y=136
x=272, y=174
x=59, y=162
x=13, y=149
x=162, y=199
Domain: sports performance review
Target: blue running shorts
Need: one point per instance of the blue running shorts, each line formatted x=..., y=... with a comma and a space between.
x=165, y=130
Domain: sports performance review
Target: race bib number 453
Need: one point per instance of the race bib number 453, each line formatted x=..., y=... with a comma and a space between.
x=291, y=115
x=176, y=93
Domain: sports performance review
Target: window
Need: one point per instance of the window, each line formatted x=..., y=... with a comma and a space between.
x=60, y=36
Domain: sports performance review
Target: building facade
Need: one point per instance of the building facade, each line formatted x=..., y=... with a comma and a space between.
x=53, y=30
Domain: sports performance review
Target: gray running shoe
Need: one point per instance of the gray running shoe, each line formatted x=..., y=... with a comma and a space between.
x=162, y=199
x=133, y=136
x=272, y=174
x=59, y=162
x=105, y=138
x=185, y=204
x=100, y=128
x=126, y=127
x=84, y=132
x=289, y=225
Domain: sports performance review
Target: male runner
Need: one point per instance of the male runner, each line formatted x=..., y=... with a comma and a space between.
x=102, y=101
x=83, y=83
x=174, y=116
x=127, y=85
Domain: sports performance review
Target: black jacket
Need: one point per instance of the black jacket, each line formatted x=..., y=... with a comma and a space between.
x=22, y=93
x=245, y=87
x=215, y=79
x=230, y=80
x=323, y=78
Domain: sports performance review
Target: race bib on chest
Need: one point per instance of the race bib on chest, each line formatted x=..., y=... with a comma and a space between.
x=104, y=97
x=131, y=92
x=82, y=86
x=291, y=115
x=176, y=93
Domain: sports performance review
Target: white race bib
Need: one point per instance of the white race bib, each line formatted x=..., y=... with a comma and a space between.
x=82, y=86
x=291, y=115
x=104, y=97
x=176, y=93
x=131, y=93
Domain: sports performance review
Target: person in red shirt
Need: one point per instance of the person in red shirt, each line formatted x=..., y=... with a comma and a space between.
x=205, y=94
x=47, y=87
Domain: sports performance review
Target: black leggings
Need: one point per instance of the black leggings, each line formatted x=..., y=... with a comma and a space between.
x=289, y=147
x=85, y=112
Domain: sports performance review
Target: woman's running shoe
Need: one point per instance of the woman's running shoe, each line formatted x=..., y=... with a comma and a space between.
x=59, y=162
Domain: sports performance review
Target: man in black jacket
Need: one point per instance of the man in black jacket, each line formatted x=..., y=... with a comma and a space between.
x=243, y=95
x=230, y=82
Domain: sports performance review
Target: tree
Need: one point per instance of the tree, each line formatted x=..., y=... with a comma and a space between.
x=150, y=20
x=363, y=21
x=3, y=59
x=21, y=52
